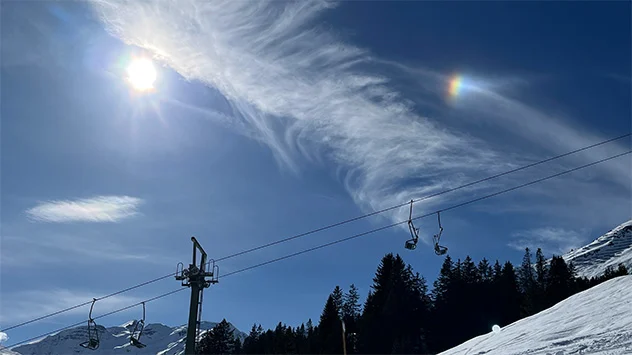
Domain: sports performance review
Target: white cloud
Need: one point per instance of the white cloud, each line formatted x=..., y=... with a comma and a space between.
x=3, y=337
x=24, y=305
x=551, y=239
x=96, y=209
x=305, y=93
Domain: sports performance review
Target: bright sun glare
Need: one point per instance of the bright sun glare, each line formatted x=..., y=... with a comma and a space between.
x=141, y=74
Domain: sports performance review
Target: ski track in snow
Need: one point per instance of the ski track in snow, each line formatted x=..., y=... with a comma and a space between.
x=597, y=321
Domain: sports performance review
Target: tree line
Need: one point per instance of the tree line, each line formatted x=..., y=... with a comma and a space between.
x=400, y=315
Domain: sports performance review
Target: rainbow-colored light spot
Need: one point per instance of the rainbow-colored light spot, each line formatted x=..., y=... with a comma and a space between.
x=455, y=85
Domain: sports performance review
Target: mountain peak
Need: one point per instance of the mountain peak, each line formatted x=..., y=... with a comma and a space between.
x=159, y=338
x=611, y=249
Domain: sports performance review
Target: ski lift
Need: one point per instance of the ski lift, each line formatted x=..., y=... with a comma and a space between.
x=93, y=333
x=411, y=244
x=439, y=250
x=134, y=338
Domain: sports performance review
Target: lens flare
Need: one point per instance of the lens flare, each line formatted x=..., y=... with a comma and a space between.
x=496, y=329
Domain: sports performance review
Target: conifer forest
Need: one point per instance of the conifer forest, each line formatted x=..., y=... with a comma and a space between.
x=402, y=315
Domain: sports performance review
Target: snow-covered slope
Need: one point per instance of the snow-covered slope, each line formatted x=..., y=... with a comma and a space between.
x=596, y=321
x=5, y=351
x=160, y=340
x=610, y=249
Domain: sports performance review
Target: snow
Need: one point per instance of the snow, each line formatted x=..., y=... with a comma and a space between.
x=597, y=321
x=160, y=339
x=610, y=249
x=5, y=351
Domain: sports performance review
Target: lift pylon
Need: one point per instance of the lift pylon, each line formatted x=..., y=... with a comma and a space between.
x=198, y=278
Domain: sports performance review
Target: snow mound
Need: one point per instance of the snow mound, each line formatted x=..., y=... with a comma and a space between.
x=610, y=249
x=596, y=321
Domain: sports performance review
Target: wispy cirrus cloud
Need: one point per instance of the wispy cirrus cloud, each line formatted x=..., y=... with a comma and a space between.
x=304, y=93
x=551, y=239
x=96, y=209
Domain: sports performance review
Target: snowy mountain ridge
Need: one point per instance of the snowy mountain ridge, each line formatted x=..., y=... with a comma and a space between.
x=611, y=249
x=597, y=321
x=159, y=338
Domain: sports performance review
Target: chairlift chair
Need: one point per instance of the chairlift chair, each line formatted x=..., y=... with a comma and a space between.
x=134, y=338
x=411, y=244
x=93, y=333
x=438, y=249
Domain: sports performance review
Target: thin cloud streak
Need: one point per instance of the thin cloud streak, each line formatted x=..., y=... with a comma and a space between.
x=96, y=209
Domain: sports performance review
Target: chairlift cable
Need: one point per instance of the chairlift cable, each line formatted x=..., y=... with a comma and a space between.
x=297, y=236
x=97, y=317
x=342, y=240
x=330, y=226
x=427, y=214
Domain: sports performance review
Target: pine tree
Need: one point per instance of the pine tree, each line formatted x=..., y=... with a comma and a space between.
x=391, y=318
x=237, y=349
x=351, y=304
x=312, y=342
x=219, y=340
x=526, y=275
x=443, y=295
x=330, y=328
x=622, y=270
x=442, y=284
x=338, y=296
x=467, y=306
x=279, y=339
x=470, y=273
x=485, y=270
x=540, y=269
x=351, y=316
x=302, y=343
x=251, y=343
x=421, y=304
x=290, y=346
x=498, y=270
x=510, y=299
x=372, y=319
x=559, y=281
x=487, y=303
x=527, y=284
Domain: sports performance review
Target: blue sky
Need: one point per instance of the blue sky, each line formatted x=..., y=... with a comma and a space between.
x=271, y=119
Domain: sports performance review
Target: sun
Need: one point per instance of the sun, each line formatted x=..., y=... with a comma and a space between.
x=141, y=74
